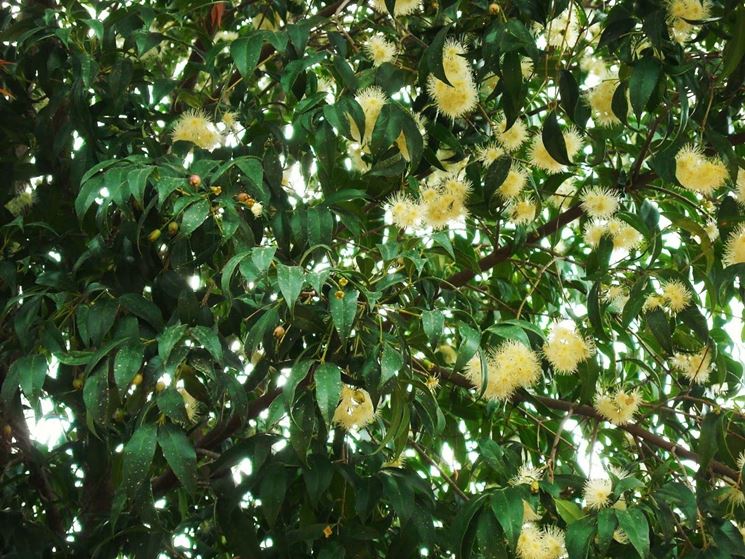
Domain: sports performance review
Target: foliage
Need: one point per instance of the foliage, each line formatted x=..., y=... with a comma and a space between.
x=257, y=256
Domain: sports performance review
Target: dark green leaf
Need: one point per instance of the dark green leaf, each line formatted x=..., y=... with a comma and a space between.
x=328, y=388
x=343, y=310
x=180, y=454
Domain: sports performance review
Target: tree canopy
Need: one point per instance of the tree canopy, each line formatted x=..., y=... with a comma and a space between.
x=372, y=278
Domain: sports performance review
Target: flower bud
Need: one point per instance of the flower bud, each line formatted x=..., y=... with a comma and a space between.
x=195, y=181
x=172, y=228
x=137, y=380
x=154, y=235
x=279, y=332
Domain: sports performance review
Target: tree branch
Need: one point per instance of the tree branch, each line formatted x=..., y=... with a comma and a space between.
x=588, y=411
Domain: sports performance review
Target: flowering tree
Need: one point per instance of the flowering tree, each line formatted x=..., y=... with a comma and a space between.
x=387, y=278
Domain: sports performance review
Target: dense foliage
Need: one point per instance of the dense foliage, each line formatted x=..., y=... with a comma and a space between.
x=375, y=278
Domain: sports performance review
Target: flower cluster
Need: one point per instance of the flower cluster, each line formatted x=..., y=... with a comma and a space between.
x=194, y=126
x=439, y=204
x=624, y=236
x=616, y=296
x=695, y=367
x=355, y=409
x=618, y=407
x=512, y=366
x=674, y=296
x=514, y=182
x=461, y=96
x=682, y=12
x=565, y=349
x=697, y=172
x=540, y=543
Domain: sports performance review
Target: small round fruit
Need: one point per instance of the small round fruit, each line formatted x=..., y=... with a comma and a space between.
x=160, y=386
x=339, y=294
x=216, y=190
x=279, y=331
x=343, y=281
x=154, y=235
x=172, y=228
x=494, y=8
x=137, y=380
x=78, y=383
x=195, y=181
x=242, y=197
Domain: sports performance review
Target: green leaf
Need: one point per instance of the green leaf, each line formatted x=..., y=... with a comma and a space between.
x=578, y=537
x=245, y=52
x=290, y=280
x=433, y=55
x=388, y=127
x=266, y=323
x=735, y=47
x=642, y=83
x=568, y=92
x=262, y=257
x=272, y=492
x=634, y=523
x=194, y=216
x=168, y=340
x=209, y=339
x=607, y=523
x=171, y=403
x=142, y=308
x=328, y=388
x=127, y=363
x=137, y=181
x=96, y=394
x=31, y=371
x=433, y=322
x=658, y=324
x=619, y=104
x=89, y=191
x=512, y=88
x=507, y=505
x=343, y=310
x=553, y=140
x=137, y=457
x=470, y=340
x=298, y=372
x=569, y=511
x=391, y=362
x=179, y=452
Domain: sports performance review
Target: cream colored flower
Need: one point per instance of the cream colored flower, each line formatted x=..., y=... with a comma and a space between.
x=539, y=156
x=563, y=31
x=489, y=153
x=682, y=12
x=401, y=7
x=21, y=202
x=405, y=212
x=600, y=99
x=565, y=349
x=676, y=295
x=355, y=409
x=514, y=182
x=597, y=493
x=380, y=50
x=695, y=367
x=510, y=367
x=527, y=475
x=697, y=172
x=734, y=251
x=371, y=99
x=257, y=209
x=600, y=202
x=192, y=406
x=618, y=407
x=522, y=211
x=616, y=296
x=512, y=138
x=594, y=231
x=193, y=126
